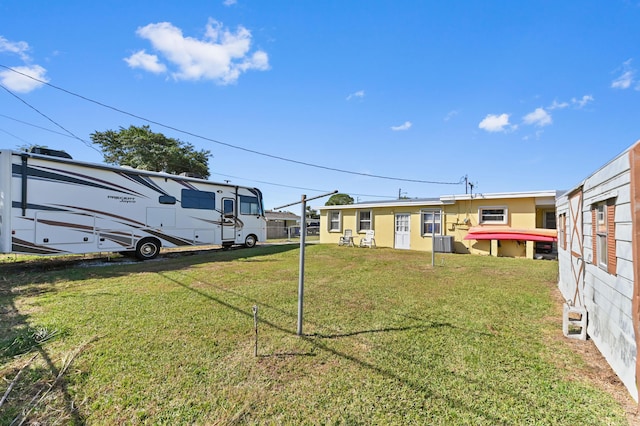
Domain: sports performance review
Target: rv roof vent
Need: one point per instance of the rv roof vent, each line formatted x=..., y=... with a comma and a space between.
x=50, y=152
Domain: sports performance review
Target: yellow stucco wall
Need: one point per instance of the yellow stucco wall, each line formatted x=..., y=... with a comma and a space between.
x=457, y=218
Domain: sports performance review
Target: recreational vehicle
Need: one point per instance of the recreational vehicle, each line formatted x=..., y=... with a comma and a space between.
x=55, y=205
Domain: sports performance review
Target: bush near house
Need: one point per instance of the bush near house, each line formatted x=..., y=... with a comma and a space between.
x=388, y=339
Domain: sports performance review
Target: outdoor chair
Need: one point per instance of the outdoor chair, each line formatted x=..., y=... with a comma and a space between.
x=346, y=239
x=368, y=240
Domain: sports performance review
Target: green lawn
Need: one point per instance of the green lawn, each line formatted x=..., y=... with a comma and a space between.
x=387, y=340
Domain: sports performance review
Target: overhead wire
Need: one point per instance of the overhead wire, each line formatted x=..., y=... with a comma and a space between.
x=36, y=126
x=195, y=135
x=296, y=187
x=88, y=144
x=218, y=174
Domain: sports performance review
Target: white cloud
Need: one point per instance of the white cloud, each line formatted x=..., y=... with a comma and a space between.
x=17, y=78
x=221, y=55
x=142, y=59
x=229, y=2
x=582, y=102
x=405, y=126
x=20, y=48
x=358, y=94
x=625, y=80
x=495, y=123
x=450, y=115
x=539, y=117
x=557, y=105
x=19, y=82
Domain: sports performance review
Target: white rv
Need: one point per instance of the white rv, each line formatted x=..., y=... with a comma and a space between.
x=54, y=205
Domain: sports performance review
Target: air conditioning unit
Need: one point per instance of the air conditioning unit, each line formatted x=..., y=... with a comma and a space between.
x=443, y=244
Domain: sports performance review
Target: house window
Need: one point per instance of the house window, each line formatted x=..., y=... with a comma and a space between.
x=365, y=220
x=603, y=235
x=431, y=222
x=562, y=230
x=334, y=221
x=493, y=215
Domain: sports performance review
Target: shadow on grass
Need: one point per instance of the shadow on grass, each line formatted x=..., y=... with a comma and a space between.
x=319, y=342
x=38, y=277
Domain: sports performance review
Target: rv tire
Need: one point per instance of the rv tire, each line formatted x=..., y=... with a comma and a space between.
x=147, y=248
x=250, y=241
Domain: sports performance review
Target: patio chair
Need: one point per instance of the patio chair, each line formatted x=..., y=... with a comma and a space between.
x=368, y=240
x=346, y=239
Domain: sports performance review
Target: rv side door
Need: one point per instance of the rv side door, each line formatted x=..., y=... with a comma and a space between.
x=228, y=219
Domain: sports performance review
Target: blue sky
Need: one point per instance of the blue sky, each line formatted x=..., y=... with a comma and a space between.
x=518, y=96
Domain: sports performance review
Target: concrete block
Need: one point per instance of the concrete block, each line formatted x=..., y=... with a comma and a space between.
x=574, y=322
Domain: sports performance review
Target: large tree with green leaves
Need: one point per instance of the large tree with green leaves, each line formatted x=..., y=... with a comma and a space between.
x=141, y=148
x=339, y=200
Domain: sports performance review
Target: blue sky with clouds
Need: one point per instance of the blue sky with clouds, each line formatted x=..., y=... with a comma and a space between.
x=373, y=98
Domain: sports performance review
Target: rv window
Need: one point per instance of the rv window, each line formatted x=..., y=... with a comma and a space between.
x=166, y=199
x=192, y=199
x=249, y=205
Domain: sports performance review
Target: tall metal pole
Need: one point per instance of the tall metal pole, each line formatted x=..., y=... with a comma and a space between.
x=433, y=239
x=303, y=237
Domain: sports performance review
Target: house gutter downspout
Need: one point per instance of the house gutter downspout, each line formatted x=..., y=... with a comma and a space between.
x=634, y=161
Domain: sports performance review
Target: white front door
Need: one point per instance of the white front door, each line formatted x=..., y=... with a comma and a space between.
x=402, y=234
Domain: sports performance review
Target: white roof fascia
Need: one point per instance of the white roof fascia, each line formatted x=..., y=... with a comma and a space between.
x=499, y=195
x=384, y=204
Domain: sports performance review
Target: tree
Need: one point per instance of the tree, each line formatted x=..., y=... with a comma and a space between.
x=312, y=213
x=141, y=148
x=339, y=200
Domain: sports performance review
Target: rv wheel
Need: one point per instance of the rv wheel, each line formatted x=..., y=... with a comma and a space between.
x=148, y=248
x=250, y=241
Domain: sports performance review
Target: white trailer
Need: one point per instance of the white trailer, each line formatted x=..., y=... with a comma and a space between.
x=51, y=206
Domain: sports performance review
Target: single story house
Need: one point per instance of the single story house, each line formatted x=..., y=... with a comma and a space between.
x=599, y=260
x=281, y=224
x=514, y=224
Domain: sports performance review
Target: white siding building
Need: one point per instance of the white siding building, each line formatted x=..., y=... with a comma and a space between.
x=598, y=247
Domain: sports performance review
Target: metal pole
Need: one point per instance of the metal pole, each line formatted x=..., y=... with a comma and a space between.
x=255, y=326
x=303, y=234
x=433, y=239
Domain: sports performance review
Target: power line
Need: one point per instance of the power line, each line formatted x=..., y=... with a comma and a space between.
x=37, y=127
x=14, y=136
x=277, y=157
x=48, y=118
x=295, y=187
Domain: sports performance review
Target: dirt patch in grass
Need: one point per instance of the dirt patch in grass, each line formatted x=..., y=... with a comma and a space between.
x=596, y=369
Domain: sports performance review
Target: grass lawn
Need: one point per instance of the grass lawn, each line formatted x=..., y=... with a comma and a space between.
x=387, y=340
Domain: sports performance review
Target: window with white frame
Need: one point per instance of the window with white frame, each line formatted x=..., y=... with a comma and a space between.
x=601, y=234
x=603, y=230
x=562, y=230
x=493, y=215
x=431, y=222
x=334, y=221
x=365, y=220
